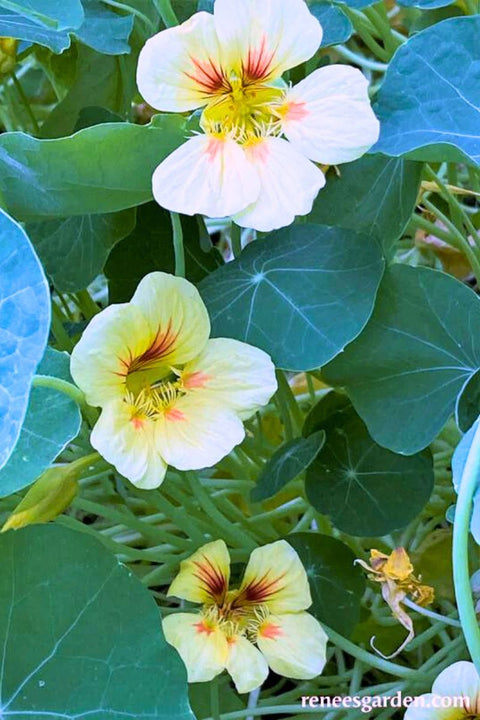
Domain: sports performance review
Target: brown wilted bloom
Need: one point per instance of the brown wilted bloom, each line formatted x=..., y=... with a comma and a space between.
x=395, y=574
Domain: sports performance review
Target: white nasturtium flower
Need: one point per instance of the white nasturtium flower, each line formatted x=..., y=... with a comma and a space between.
x=254, y=160
x=455, y=696
x=169, y=395
x=244, y=631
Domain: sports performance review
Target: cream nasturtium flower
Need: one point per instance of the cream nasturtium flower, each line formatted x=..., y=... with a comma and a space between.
x=169, y=395
x=455, y=696
x=254, y=160
x=244, y=631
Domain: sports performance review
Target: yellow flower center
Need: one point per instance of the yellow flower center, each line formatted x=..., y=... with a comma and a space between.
x=247, y=111
x=235, y=620
x=153, y=401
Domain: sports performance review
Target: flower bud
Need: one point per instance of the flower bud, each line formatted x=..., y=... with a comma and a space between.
x=46, y=499
x=8, y=55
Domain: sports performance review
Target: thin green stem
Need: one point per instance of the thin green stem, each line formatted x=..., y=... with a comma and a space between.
x=430, y=614
x=178, y=244
x=461, y=529
x=286, y=392
x=360, y=59
x=236, y=238
x=215, y=699
x=70, y=390
x=25, y=102
x=166, y=12
x=131, y=11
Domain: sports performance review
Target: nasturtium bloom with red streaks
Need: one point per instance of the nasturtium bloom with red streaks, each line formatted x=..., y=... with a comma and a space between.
x=455, y=696
x=262, y=137
x=169, y=394
x=245, y=630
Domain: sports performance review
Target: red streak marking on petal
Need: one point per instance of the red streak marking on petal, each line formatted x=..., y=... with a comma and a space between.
x=174, y=415
x=271, y=631
x=163, y=343
x=212, y=578
x=259, y=62
x=208, y=76
x=202, y=627
x=259, y=590
x=296, y=111
x=196, y=380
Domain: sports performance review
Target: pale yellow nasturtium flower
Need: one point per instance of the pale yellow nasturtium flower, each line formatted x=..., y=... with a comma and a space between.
x=244, y=631
x=395, y=574
x=169, y=394
x=255, y=159
x=8, y=55
x=455, y=696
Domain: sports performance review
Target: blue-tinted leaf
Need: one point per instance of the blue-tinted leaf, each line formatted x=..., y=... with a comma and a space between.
x=58, y=14
x=22, y=28
x=337, y=28
x=429, y=102
x=24, y=326
x=104, y=30
x=458, y=466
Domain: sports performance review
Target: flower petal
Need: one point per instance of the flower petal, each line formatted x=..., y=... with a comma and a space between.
x=275, y=577
x=177, y=319
x=202, y=646
x=179, y=69
x=100, y=360
x=128, y=443
x=289, y=185
x=232, y=373
x=260, y=40
x=328, y=116
x=423, y=708
x=204, y=576
x=196, y=433
x=460, y=679
x=294, y=645
x=208, y=175
x=246, y=665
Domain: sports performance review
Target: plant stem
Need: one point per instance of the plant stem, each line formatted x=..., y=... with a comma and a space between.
x=131, y=11
x=215, y=699
x=360, y=60
x=430, y=614
x=25, y=102
x=286, y=392
x=236, y=238
x=461, y=528
x=178, y=244
x=72, y=391
x=166, y=12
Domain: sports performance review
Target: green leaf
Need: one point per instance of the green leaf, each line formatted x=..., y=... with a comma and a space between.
x=98, y=170
x=337, y=585
x=24, y=327
x=59, y=14
x=428, y=104
x=52, y=421
x=337, y=28
x=467, y=409
x=81, y=636
x=74, y=250
x=153, y=233
x=329, y=405
x=382, y=194
x=287, y=463
x=22, y=28
x=55, y=364
x=422, y=324
x=425, y=4
x=301, y=294
x=365, y=489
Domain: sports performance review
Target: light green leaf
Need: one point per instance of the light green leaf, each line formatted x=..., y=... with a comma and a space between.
x=404, y=372
x=100, y=169
x=376, y=195
x=74, y=250
x=287, y=463
x=59, y=14
x=365, y=489
x=428, y=104
x=81, y=636
x=24, y=327
x=301, y=294
x=337, y=585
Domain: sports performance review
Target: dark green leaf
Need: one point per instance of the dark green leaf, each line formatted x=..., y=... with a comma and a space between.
x=328, y=407
x=376, y=195
x=75, y=249
x=24, y=327
x=468, y=403
x=365, y=489
x=98, y=170
x=59, y=14
x=337, y=585
x=428, y=104
x=337, y=28
x=286, y=464
x=405, y=371
x=127, y=265
x=301, y=294
x=81, y=636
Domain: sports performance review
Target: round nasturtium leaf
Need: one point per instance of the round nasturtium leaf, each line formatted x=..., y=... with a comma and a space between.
x=24, y=327
x=336, y=584
x=336, y=26
x=51, y=13
x=301, y=294
x=365, y=489
x=81, y=636
x=405, y=371
x=428, y=103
